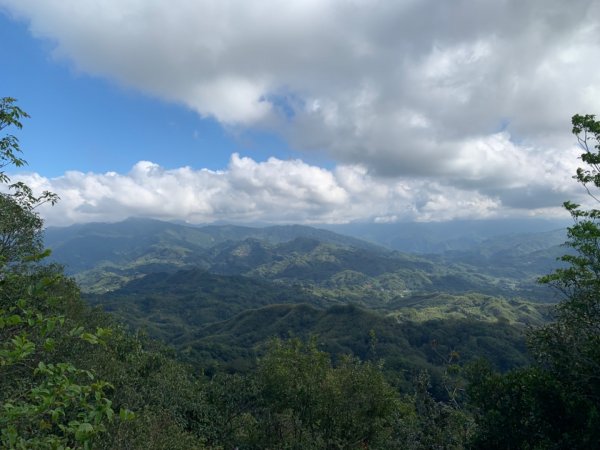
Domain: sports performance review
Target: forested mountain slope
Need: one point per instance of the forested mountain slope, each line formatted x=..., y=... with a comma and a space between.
x=170, y=305
x=85, y=246
x=404, y=347
x=220, y=296
x=182, y=307
x=103, y=257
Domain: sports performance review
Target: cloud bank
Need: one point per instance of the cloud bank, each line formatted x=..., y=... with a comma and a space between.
x=274, y=191
x=463, y=98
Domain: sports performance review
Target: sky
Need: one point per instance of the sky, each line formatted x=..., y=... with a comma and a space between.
x=304, y=111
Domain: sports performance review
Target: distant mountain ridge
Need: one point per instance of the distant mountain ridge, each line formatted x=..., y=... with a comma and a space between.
x=80, y=246
x=441, y=237
x=103, y=257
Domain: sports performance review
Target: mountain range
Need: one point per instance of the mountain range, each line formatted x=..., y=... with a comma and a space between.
x=103, y=257
x=219, y=293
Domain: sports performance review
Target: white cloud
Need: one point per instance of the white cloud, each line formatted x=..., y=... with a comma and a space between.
x=273, y=191
x=471, y=96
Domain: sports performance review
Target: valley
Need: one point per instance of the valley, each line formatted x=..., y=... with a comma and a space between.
x=220, y=294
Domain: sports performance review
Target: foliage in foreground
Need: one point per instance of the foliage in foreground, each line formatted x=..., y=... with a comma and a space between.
x=555, y=404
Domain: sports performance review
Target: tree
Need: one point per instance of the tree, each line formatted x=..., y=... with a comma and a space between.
x=43, y=403
x=10, y=115
x=310, y=403
x=570, y=346
x=556, y=403
x=20, y=225
x=47, y=405
x=20, y=231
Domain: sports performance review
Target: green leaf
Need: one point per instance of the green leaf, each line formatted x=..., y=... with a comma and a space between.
x=49, y=344
x=89, y=337
x=14, y=320
x=84, y=431
x=125, y=414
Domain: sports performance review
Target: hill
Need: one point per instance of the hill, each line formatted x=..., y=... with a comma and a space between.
x=104, y=257
x=404, y=347
x=226, y=321
x=171, y=305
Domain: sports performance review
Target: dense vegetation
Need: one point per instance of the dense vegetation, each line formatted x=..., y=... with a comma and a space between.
x=226, y=322
x=293, y=341
x=555, y=403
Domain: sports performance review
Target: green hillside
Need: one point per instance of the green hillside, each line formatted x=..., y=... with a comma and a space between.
x=370, y=277
x=514, y=255
x=472, y=306
x=104, y=257
x=171, y=305
x=226, y=321
x=405, y=347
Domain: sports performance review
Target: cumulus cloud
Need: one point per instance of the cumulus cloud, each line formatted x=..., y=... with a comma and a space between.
x=273, y=191
x=456, y=97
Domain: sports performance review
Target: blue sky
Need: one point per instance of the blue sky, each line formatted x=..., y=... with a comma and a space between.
x=87, y=123
x=328, y=111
